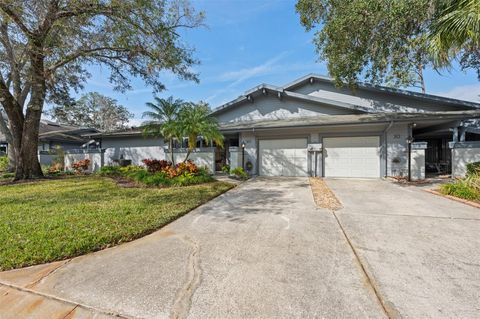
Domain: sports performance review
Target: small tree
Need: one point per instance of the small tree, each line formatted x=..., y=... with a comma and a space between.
x=195, y=121
x=164, y=120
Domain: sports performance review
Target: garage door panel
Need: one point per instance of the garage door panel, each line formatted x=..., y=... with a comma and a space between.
x=286, y=157
x=352, y=156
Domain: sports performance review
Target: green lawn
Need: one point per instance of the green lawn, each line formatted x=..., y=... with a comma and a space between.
x=52, y=220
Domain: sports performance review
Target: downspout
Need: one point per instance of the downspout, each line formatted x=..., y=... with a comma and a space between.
x=386, y=146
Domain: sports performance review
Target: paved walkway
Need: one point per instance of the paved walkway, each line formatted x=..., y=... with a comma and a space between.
x=262, y=250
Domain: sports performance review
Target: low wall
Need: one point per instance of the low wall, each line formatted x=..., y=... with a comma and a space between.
x=464, y=153
x=95, y=157
x=204, y=157
x=46, y=159
x=417, y=158
x=235, y=157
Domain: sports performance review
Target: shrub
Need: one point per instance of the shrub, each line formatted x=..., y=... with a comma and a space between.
x=462, y=188
x=55, y=169
x=110, y=171
x=3, y=163
x=187, y=166
x=131, y=170
x=239, y=173
x=81, y=166
x=154, y=165
x=226, y=169
x=473, y=168
x=7, y=175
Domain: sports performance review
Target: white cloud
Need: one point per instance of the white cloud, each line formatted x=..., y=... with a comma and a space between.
x=469, y=92
x=247, y=73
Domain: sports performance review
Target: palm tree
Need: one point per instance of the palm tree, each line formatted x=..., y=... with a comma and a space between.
x=456, y=29
x=195, y=121
x=164, y=120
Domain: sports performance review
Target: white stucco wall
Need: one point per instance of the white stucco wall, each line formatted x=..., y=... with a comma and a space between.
x=418, y=164
x=397, y=150
x=96, y=160
x=235, y=157
x=202, y=158
x=133, y=148
x=462, y=155
x=46, y=159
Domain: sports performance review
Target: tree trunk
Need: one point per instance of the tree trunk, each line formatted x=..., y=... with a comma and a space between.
x=421, y=78
x=28, y=166
x=170, y=146
x=189, y=151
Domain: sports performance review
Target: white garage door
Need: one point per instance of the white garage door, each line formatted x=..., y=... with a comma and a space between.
x=283, y=157
x=352, y=156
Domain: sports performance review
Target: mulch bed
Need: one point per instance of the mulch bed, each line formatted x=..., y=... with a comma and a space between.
x=323, y=195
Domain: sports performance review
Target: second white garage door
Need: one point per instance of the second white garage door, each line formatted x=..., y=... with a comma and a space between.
x=283, y=157
x=352, y=156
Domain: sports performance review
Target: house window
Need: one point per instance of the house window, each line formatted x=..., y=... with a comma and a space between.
x=233, y=142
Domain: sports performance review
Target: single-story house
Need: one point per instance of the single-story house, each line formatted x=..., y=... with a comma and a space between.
x=310, y=127
x=52, y=136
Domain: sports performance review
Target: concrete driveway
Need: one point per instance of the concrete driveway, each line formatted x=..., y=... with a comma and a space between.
x=421, y=251
x=262, y=250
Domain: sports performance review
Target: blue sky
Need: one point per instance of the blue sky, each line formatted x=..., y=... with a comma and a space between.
x=247, y=43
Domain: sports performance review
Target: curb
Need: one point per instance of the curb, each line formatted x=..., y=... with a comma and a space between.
x=460, y=200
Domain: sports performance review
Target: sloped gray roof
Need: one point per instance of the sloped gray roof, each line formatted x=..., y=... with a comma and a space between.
x=378, y=88
x=286, y=90
x=370, y=118
x=281, y=92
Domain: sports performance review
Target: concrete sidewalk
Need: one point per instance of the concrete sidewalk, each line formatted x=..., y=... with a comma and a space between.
x=262, y=250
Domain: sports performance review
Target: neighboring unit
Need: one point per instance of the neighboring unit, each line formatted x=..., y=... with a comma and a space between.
x=52, y=136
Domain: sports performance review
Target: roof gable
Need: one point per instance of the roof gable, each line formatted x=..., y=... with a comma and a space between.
x=266, y=102
x=398, y=98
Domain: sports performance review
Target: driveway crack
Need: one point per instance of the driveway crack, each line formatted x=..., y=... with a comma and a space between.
x=183, y=300
x=387, y=307
x=36, y=282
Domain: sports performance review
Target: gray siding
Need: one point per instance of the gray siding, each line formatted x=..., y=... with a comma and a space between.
x=378, y=101
x=270, y=107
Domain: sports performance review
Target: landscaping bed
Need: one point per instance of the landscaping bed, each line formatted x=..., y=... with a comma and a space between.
x=467, y=189
x=158, y=173
x=56, y=219
x=323, y=195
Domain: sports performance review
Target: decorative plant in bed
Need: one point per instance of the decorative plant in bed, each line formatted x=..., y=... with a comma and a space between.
x=159, y=173
x=467, y=188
